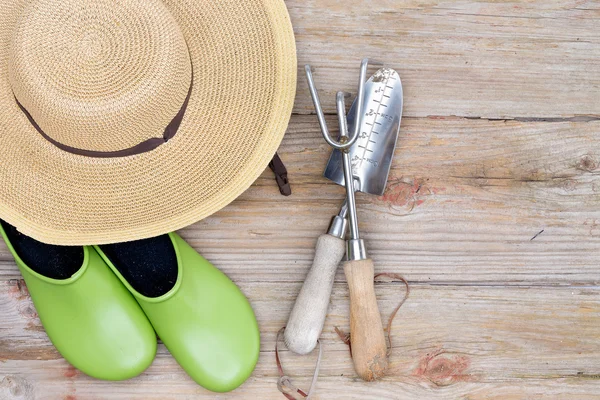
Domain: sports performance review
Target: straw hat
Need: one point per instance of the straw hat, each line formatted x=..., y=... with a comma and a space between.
x=126, y=119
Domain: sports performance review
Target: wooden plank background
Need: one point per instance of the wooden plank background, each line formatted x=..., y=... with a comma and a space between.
x=492, y=213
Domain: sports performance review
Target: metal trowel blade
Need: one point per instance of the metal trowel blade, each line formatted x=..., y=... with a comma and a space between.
x=372, y=153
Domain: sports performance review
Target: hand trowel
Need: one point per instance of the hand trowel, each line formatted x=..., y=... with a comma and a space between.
x=365, y=158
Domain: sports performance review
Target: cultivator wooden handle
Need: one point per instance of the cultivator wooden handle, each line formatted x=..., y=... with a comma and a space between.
x=308, y=315
x=369, y=349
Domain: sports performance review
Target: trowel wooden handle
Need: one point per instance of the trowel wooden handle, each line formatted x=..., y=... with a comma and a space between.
x=308, y=315
x=369, y=349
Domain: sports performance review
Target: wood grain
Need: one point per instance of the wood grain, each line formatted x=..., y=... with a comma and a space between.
x=491, y=212
x=449, y=342
x=465, y=199
x=490, y=59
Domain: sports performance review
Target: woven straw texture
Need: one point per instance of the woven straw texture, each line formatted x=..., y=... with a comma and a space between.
x=105, y=75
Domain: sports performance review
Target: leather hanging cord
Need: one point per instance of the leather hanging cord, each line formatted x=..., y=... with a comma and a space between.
x=393, y=315
x=285, y=385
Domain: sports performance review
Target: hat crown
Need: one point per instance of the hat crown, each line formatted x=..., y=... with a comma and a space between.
x=101, y=75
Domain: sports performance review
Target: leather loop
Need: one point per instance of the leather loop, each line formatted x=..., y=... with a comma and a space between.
x=281, y=175
x=285, y=385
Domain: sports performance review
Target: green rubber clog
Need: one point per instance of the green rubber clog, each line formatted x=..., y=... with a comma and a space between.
x=91, y=318
x=204, y=320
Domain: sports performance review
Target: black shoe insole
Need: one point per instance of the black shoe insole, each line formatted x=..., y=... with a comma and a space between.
x=55, y=262
x=149, y=265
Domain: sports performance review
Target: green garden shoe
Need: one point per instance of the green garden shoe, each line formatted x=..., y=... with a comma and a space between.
x=92, y=320
x=200, y=315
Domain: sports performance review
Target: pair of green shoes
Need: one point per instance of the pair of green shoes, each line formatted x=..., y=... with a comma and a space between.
x=106, y=328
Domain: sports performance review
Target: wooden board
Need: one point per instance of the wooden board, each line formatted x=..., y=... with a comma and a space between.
x=494, y=59
x=492, y=213
x=449, y=341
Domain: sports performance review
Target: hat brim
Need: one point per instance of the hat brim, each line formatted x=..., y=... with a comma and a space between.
x=244, y=60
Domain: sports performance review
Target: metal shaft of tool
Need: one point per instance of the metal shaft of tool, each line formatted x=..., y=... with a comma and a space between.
x=356, y=248
x=351, y=200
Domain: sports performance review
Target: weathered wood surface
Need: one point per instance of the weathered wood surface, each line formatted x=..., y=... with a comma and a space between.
x=494, y=59
x=465, y=198
x=449, y=342
x=492, y=213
